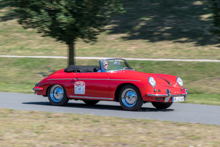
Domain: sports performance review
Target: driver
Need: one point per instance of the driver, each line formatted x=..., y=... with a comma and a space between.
x=104, y=65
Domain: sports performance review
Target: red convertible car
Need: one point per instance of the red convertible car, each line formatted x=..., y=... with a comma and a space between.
x=113, y=80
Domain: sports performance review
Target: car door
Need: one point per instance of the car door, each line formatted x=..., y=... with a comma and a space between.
x=91, y=85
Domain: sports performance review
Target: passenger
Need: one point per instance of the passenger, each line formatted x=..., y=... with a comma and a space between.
x=104, y=65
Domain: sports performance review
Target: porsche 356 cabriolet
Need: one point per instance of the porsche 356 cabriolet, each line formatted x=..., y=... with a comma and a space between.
x=112, y=80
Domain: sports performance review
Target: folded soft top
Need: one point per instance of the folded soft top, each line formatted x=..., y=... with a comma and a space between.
x=76, y=68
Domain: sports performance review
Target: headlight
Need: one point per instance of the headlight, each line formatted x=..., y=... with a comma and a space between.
x=179, y=81
x=152, y=81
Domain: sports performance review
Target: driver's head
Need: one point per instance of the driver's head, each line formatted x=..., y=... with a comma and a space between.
x=105, y=64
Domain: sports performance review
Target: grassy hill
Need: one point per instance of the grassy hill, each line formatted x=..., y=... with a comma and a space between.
x=201, y=79
x=149, y=29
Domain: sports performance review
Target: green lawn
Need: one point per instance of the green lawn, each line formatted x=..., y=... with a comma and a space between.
x=30, y=128
x=149, y=29
x=201, y=79
x=210, y=99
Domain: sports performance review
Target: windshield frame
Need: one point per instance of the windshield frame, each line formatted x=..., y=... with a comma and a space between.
x=102, y=69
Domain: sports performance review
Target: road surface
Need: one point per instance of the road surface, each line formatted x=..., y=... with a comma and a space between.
x=193, y=113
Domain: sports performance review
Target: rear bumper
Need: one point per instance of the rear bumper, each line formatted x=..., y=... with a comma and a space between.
x=38, y=90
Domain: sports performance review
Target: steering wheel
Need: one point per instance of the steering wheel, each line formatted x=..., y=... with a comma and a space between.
x=78, y=70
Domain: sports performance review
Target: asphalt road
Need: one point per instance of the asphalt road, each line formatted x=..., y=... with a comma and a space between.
x=193, y=113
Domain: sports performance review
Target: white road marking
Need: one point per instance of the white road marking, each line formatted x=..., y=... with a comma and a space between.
x=99, y=58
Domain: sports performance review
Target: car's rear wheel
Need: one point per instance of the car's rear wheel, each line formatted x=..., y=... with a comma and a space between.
x=130, y=98
x=161, y=105
x=57, y=95
x=90, y=102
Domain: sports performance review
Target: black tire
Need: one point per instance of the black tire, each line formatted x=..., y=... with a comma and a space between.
x=57, y=95
x=130, y=98
x=90, y=102
x=161, y=105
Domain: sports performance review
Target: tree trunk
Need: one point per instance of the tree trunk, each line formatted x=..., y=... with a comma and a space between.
x=71, y=53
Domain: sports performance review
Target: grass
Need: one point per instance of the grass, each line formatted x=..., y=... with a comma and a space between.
x=210, y=99
x=30, y=128
x=149, y=29
x=201, y=79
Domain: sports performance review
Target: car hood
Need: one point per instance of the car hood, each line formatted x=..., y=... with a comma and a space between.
x=162, y=79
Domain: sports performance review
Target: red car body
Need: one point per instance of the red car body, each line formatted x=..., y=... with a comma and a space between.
x=107, y=85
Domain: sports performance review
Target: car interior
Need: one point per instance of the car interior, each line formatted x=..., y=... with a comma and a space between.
x=76, y=68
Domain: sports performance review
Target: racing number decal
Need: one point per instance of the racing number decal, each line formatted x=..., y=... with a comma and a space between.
x=79, y=87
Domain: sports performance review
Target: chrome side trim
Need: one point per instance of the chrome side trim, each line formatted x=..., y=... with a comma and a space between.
x=59, y=79
x=87, y=97
x=123, y=80
x=109, y=79
x=36, y=88
x=92, y=79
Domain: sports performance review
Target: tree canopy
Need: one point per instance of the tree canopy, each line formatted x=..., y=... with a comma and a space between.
x=67, y=20
x=215, y=7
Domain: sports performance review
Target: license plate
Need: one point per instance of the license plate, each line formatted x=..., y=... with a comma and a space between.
x=178, y=99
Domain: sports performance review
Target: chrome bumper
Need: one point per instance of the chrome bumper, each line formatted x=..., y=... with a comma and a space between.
x=37, y=88
x=168, y=95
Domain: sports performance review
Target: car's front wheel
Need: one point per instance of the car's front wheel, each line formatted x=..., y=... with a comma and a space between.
x=90, y=102
x=57, y=95
x=161, y=105
x=130, y=98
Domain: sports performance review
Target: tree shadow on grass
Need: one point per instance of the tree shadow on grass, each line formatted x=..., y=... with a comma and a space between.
x=180, y=21
x=6, y=11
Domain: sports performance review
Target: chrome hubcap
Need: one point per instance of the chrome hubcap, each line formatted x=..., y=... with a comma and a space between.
x=129, y=97
x=57, y=93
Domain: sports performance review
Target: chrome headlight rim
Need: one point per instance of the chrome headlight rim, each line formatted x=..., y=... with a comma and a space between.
x=179, y=81
x=152, y=81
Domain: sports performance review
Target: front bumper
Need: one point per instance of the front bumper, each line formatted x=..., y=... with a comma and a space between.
x=168, y=95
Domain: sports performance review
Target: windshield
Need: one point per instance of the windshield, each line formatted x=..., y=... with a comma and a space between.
x=114, y=64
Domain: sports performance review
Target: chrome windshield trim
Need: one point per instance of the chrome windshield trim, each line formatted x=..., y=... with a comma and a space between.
x=102, y=69
x=88, y=97
x=59, y=79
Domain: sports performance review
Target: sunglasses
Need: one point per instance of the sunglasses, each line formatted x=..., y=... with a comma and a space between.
x=105, y=64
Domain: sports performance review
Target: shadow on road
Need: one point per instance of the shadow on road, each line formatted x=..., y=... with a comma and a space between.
x=99, y=107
